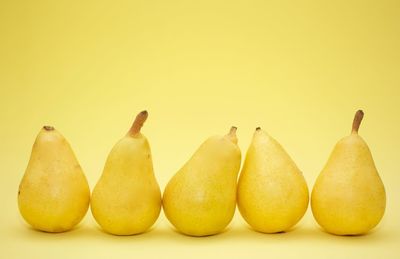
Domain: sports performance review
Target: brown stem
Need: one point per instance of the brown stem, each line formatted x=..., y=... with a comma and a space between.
x=48, y=128
x=138, y=123
x=357, y=121
x=233, y=130
x=232, y=134
x=258, y=128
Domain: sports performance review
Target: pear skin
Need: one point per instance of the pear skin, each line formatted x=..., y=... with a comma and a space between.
x=127, y=198
x=53, y=194
x=200, y=199
x=272, y=192
x=348, y=197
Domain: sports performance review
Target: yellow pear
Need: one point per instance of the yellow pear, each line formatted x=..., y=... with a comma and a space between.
x=200, y=199
x=54, y=194
x=272, y=192
x=348, y=197
x=127, y=199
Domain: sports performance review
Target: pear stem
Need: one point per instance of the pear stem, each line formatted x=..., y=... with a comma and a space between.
x=357, y=121
x=258, y=128
x=48, y=128
x=232, y=134
x=138, y=123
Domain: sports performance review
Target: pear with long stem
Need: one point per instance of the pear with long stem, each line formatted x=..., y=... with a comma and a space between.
x=127, y=199
x=348, y=197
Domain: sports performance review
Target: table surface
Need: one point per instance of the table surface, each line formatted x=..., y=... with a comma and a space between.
x=238, y=241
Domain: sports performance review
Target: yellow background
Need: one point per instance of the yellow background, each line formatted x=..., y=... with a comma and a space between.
x=299, y=69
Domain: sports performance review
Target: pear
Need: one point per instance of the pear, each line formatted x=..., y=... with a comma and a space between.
x=200, y=199
x=348, y=197
x=53, y=194
x=272, y=192
x=127, y=199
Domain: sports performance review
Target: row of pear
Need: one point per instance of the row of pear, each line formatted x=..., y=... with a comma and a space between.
x=348, y=197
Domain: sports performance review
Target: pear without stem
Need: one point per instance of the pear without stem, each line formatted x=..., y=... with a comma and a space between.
x=348, y=197
x=54, y=194
x=272, y=192
x=200, y=199
x=127, y=199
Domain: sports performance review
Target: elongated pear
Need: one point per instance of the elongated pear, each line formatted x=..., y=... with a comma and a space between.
x=200, y=199
x=272, y=192
x=53, y=194
x=127, y=199
x=348, y=197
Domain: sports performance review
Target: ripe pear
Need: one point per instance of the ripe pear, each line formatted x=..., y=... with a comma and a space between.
x=54, y=194
x=127, y=199
x=272, y=192
x=200, y=199
x=348, y=197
